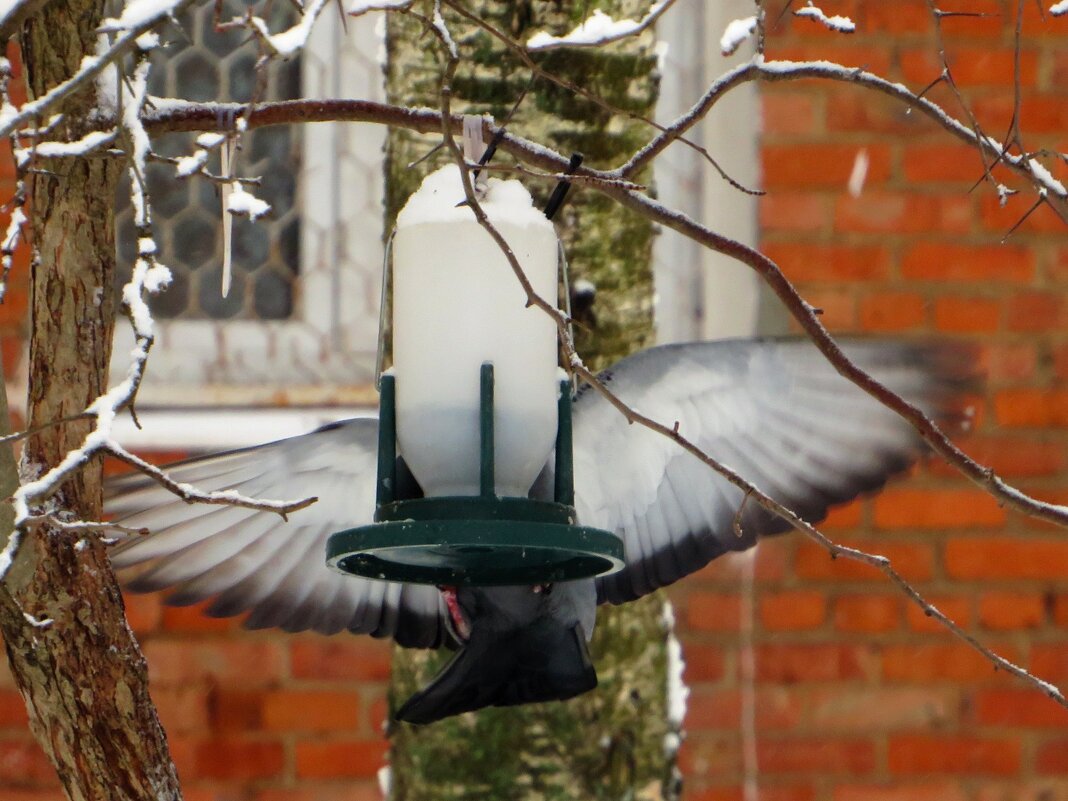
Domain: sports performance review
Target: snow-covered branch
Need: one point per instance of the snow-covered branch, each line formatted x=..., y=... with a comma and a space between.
x=138, y=18
x=599, y=29
x=834, y=23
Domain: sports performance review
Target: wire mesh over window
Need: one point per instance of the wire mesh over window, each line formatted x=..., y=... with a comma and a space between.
x=203, y=64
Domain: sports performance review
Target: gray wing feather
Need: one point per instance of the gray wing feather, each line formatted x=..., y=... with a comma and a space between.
x=248, y=561
x=773, y=410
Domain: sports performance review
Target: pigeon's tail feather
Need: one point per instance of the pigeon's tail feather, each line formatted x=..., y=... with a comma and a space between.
x=545, y=662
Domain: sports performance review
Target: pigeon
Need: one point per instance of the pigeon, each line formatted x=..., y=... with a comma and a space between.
x=774, y=410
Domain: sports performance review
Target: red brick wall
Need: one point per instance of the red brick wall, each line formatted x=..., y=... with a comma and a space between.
x=855, y=695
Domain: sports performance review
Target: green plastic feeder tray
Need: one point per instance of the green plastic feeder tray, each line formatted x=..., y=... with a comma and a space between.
x=479, y=540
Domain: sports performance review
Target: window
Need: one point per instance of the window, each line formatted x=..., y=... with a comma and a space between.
x=302, y=327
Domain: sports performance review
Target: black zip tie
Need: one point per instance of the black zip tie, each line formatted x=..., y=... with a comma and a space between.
x=491, y=149
x=556, y=200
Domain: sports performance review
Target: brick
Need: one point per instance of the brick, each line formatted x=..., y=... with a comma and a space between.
x=713, y=611
x=867, y=709
x=926, y=662
x=794, y=211
x=1038, y=312
x=850, y=111
x=913, y=754
x=913, y=560
x=768, y=564
x=1039, y=113
x=235, y=710
x=193, y=619
x=343, y=759
x=1011, y=610
x=956, y=608
x=773, y=708
x=815, y=754
x=239, y=759
x=1001, y=219
x=836, y=308
x=902, y=213
x=182, y=710
x=903, y=16
x=13, y=713
x=1037, y=789
x=845, y=516
x=703, y=662
x=24, y=764
x=1050, y=661
x=1008, y=362
x=942, y=163
x=143, y=612
x=1005, y=558
x=867, y=613
x=1060, y=361
x=790, y=611
x=989, y=66
x=811, y=262
x=790, y=663
x=900, y=791
x=1018, y=707
x=309, y=710
x=967, y=315
x=250, y=662
x=931, y=261
x=1052, y=757
x=936, y=509
x=1032, y=407
x=893, y=311
x=340, y=658
x=1014, y=457
x=790, y=113
x=821, y=165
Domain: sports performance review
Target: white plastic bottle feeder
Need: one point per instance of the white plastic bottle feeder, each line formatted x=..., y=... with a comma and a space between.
x=473, y=407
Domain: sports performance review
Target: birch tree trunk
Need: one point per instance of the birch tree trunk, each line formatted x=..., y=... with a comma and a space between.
x=608, y=744
x=78, y=666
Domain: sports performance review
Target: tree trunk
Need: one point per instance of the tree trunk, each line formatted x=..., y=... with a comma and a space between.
x=82, y=674
x=608, y=744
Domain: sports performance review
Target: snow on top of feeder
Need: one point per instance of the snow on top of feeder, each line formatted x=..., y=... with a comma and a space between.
x=438, y=197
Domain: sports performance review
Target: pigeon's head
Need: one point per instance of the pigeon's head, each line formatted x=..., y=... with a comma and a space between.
x=518, y=645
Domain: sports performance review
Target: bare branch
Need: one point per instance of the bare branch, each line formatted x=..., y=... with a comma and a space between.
x=191, y=494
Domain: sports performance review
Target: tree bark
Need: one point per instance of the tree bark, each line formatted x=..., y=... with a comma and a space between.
x=82, y=674
x=608, y=744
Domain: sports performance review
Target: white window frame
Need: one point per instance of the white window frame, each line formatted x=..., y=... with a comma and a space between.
x=325, y=353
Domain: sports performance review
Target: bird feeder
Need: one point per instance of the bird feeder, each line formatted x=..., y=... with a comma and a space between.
x=474, y=407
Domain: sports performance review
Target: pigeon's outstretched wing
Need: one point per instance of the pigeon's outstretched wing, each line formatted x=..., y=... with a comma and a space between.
x=773, y=410
x=252, y=561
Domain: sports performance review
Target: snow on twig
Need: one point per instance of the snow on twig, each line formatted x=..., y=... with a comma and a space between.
x=1059, y=9
x=736, y=32
x=291, y=41
x=190, y=494
x=91, y=66
x=81, y=147
x=364, y=6
x=599, y=29
x=245, y=203
x=836, y=23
